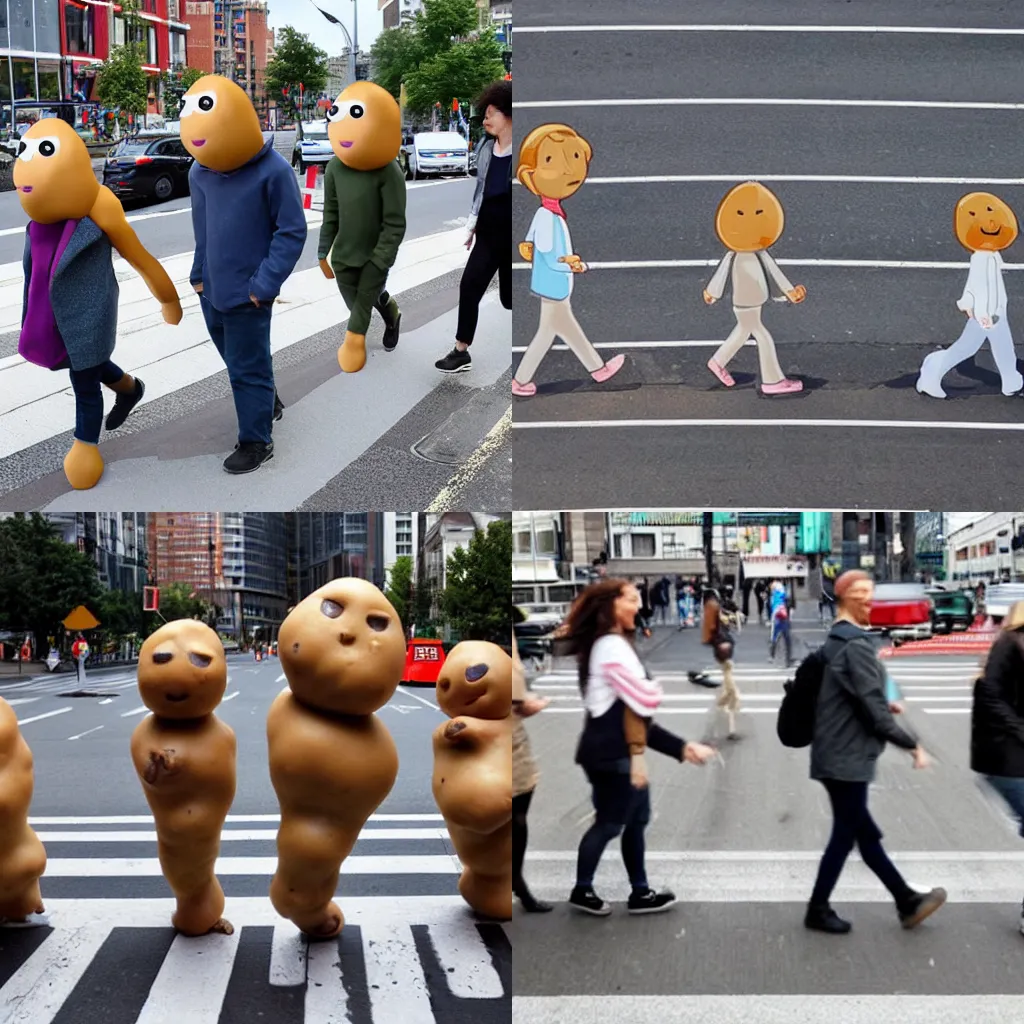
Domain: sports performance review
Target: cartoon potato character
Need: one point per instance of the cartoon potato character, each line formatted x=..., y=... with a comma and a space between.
x=69, y=311
x=332, y=761
x=553, y=164
x=364, y=213
x=984, y=226
x=22, y=857
x=473, y=771
x=749, y=221
x=185, y=758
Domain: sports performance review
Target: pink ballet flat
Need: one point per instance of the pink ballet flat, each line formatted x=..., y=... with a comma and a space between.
x=523, y=390
x=783, y=387
x=609, y=369
x=721, y=373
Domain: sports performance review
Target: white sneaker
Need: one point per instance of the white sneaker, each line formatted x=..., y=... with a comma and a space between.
x=1016, y=384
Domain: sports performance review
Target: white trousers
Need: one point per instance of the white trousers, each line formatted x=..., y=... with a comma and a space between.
x=748, y=324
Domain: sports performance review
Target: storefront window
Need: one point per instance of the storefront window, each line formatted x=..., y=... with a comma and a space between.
x=49, y=80
x=80, y=26
x=24, y=79
x=21, y=27
x=47, y=28
x=151, y=55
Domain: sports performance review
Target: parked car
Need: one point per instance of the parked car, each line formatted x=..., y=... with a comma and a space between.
x=902, y=610
x=313, y=148
x=436, y=153
x=952, y=609
x=1001, y=597
x=150, y=166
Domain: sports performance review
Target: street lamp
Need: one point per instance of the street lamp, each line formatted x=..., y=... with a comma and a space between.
x=352, y=40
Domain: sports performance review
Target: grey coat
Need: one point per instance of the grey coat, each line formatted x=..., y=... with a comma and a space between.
x=84, y=293
x=852, y=723
x=483, y=161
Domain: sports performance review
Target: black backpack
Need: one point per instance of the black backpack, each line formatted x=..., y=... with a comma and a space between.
x=795, y=725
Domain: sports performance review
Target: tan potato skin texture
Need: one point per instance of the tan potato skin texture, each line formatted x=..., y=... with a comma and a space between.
x=22, y=857
x=473, y=789
x=330, y=774
x=189, y=803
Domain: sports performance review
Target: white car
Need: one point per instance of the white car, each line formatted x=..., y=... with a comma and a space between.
x=313, y=148
x=436, y=153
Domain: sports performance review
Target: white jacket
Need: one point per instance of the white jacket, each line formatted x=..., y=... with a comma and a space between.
x=984, y=292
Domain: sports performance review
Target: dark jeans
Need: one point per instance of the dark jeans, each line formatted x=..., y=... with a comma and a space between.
x=520, y=808
x=362, y=289
x=852, y=823
x=780, y=629
x=1012, y=791
x=621, y=810
x=87, y=385
x=490, y=255
x=242, y=337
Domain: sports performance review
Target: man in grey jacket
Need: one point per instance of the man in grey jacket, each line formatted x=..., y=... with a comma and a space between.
x=853, y=723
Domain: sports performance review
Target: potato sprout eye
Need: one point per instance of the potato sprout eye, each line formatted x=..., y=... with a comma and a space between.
x=200, y=660
x=378, y=623
x=331, y=608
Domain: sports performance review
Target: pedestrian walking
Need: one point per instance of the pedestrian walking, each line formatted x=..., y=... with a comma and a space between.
x=489, y=217
x=997, y=718
x=853, y=722
x=620, y=699
x=778, y=613
x=761, y=594
x=80, y=652
x=715, y=633
x=524, y=781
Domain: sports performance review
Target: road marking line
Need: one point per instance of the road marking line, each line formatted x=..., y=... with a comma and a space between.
x=692, y=101
x=326, y=995
x=22, y=700
x=147, y=819
x=287, y=956
x=416, y=696
x=235, y=835
x=6, y=232
x=866, y=179
x=466, y=962
x=761, y=424
x=141, y=709
x=946, y=711
x=394, y=975
x=48, y=714
x=231, y=696
x=712, y=857
x=826, y=29
x=149, y=867
x=282, y=677
x=496, y=437
x=86, y=733
x=848, y=264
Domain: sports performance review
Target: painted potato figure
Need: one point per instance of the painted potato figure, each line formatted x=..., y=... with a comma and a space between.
x=22, y=857
x=185, y=758
x=473, y=771
x=364, y=213
x=69, y=310
x=332, y=761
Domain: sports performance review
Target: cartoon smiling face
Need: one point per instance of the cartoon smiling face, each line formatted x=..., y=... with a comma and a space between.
x=983, y=221
x=219, y=125
x=182, y=670
x=343, y=648
x=364, y=125
x=553, y=161
x=749, y=218
x=476, y=680
x=53, y=173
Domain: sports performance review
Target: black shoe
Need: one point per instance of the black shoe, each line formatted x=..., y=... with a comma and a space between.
x=531, y=904
x=278, y=407
x=647, y=901
x=455, y=362
x=247, y=456
x=921, y=906
x=588, y=902
x=825, y=919
x=124, y=404
x=391, y=327
x=703, y=679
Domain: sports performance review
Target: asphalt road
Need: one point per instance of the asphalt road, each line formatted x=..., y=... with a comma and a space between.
x=738, y=841
x=398, y=889
x=860, y=135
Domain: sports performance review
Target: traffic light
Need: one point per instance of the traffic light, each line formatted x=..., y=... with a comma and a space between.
x=506, y=58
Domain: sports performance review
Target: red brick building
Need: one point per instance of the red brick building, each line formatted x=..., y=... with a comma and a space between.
x=201, y=43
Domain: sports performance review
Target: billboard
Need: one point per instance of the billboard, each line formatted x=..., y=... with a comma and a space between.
x=695, y=517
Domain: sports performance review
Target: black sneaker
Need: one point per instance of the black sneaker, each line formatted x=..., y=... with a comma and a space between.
x=825, y=919
x=588, y=902
x=703, y=679
x=124, y=404
x=921, y=906
x=247, y=456
x=647, y=901
x=455, y=362
x=278, y=406
x=391, y=328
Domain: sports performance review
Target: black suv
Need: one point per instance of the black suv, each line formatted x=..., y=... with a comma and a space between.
x=149, y=166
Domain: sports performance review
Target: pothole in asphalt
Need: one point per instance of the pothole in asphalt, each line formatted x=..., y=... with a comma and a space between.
x=88, y=693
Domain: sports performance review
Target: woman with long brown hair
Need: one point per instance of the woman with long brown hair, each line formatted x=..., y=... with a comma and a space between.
x=715, y=634
x=620, y=699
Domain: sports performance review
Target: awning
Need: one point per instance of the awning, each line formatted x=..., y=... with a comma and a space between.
x=774, y=566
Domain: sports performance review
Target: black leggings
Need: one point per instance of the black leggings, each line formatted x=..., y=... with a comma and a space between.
x=620, y=810
x=520, y=808
x=490, y=255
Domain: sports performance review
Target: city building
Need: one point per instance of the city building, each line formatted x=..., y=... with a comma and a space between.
x=116, y=541
x=395, y=12
x=400, y=540
x=326, y=545
x=242, y=46
x=988, y=548
x=201, y=35
x=442, y=534
x=931, y=544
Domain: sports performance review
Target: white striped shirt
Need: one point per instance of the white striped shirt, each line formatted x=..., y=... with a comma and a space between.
x=615, y=673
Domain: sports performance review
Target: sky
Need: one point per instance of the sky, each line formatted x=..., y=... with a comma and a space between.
x=303, y=16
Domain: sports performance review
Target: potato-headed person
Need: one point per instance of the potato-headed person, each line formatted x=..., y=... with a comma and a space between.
x=250, y=229
x=748, y=222
x=364, y=213
x=332, y=761
x=553, y=164
x=985, y=226
x=184, y=756
x=69, y=309
x=22, y=857
x=473, y=771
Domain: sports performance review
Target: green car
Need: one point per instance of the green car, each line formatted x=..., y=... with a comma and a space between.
x=953, y=609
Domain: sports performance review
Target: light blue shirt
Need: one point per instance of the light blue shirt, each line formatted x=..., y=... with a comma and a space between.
x=549, y=234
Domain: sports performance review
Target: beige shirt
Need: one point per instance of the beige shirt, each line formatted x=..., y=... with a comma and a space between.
x=749, y=284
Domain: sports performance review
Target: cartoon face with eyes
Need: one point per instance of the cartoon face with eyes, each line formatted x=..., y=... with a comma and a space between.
x=182, y=670
x=983, y=222
x=364, y=125
x=553, y=161
x=749, y=218
x=53, y=173
x=219, y=125
x=343, y=648
x=476, y=681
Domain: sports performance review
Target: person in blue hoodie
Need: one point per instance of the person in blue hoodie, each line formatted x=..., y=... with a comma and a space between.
x=250, y=230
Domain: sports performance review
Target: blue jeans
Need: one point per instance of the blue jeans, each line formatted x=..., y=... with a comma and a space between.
x=87, y=385
x=242, y=337
x=621, y=809
x=1012, y=791
x=780, y=628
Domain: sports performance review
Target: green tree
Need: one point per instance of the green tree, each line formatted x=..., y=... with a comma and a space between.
x=120, y=614
x=394, y=54
x=177, y=82
x=41, y=578
x=422, y=601
x=477, y=599
x=296, y=61
x=179, y=601
x=399, y=591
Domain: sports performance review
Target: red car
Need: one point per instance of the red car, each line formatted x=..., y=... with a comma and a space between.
x=902, y=610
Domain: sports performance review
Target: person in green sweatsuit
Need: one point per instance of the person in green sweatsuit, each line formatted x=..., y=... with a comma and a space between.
x=364, y=213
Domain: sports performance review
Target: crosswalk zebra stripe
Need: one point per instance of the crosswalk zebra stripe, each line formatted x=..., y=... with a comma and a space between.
x=287, y=956
x=147, y=819
x=149, y=867
x=326, y=995
x=395, y=972
x=232, y=835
